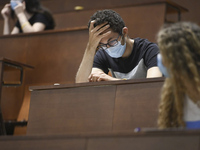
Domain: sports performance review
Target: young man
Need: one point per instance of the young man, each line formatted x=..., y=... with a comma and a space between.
x=110, y=49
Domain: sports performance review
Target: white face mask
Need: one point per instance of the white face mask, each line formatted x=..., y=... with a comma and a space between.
x=116, y=51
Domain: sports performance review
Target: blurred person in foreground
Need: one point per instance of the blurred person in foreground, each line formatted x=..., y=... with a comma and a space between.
x=179, y=61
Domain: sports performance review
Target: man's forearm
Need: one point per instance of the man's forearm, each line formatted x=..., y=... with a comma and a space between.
x=95, y=36
x=85, y=66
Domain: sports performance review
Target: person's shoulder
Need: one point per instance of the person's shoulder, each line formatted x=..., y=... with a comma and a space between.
x=38, y=15
x=145, y=43
x=100, y=52
x=142, y=41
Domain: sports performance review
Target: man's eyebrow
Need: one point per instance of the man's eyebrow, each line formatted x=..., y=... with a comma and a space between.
x=111, y=39
x=108, y=40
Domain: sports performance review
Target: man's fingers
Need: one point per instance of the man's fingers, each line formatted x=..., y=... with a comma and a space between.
x=100, y=79
x=105, y=34
x=101, y=27
x=92, y=25
x=92, y=78
x=101, y=30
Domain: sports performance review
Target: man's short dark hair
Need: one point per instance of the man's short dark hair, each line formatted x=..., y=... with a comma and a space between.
x=113, y=18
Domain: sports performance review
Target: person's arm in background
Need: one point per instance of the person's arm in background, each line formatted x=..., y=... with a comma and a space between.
x=95, y=36
x=25, y=25
x=151, y=59
x=5, y=12
x=154, y=72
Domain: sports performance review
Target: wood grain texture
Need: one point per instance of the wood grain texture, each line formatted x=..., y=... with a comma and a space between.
x=106, y=141
x=72, y=110
x=114, y=107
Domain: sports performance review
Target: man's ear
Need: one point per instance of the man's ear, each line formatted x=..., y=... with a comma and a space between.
x=125, y=34
x=125, y=31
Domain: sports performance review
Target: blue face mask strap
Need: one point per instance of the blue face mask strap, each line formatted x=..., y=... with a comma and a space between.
x=160, y=65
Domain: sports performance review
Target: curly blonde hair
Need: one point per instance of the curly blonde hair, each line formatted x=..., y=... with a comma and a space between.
x=179, y=46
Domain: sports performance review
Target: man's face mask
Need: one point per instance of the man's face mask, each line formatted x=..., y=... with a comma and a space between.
x=116, y=51
x=162, y=68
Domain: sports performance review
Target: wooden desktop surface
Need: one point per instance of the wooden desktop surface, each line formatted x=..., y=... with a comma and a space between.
x=145, y=140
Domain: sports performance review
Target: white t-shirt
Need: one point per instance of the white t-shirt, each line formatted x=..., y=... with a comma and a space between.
x=191, y=114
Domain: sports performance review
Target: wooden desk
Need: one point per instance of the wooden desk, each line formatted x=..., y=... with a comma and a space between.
x=170, y=140
x=145, y=18
x=61, y=6
x=94, y=107
x=15, y=65
x=54, y=55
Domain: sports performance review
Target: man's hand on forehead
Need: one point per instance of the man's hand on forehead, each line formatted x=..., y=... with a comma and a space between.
x=97, y=22
x=102, y=26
